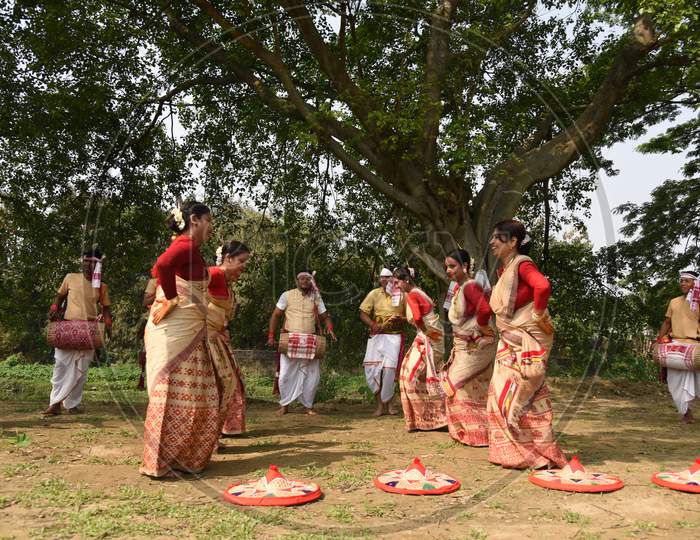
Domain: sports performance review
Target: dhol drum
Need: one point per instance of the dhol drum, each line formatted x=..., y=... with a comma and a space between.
x=676, y=355
x=283, y=345
x=76, y=335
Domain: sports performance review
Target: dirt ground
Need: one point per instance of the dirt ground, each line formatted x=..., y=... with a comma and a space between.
x=76, y=476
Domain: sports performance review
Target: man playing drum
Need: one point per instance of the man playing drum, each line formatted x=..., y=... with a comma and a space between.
x=299, y=370
x=678, y=345
x=82, y=292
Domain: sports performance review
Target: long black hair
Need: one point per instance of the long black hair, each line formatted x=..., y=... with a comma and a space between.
x=406, y=274
x=232, y=248
x=188, y=209
x=461, y=256
x=511, y=228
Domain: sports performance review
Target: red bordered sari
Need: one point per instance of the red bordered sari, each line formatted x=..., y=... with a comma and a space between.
x=182, y=421
x=421, y=398
x=519, y=407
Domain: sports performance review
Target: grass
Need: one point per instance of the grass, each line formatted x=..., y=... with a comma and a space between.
x=684, y=524
x=476, y=534
x=644, y=526
x=342, y=477
x=89, y=436
x=56, y=493
x=360, y=445
x=117, y=383
x=380, y=510
x=574, y=518
x=342, y=513
x=264, y=443
x=446, y=445
x=496, y=505
x=19, y=469
x=129, y=511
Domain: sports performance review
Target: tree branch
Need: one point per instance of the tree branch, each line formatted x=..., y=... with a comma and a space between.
x=196, y=81
x=330, y=65
x=505, y=185
x=222, y=59
x=436, y=66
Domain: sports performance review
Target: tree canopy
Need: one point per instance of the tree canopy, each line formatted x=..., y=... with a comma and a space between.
x=364, y=130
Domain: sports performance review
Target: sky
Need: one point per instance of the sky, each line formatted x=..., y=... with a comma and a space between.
x=638, y=175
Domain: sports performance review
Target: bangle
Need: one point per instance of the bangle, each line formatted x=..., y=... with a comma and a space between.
x=270, y=334
x=54, y=307
x=535, y=316
x=329, y=326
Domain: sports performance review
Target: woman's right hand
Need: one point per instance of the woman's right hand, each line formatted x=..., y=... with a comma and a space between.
x=166, y=306
x=546, y=326
x=435, y=335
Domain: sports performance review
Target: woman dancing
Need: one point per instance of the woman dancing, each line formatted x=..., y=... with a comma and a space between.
x=421, y=397
x=519, y=408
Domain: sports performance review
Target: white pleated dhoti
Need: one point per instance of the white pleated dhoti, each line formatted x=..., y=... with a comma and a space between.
x=381, y=360
x=69, y=374
x=684, y=387
x=298, y=379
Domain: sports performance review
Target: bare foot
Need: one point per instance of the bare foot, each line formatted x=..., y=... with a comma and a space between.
x=379, y=411
x=53, y=410
x=282, y=410
x=311, y=412
x=393, y=411
x=74, y=410
x=687, y=417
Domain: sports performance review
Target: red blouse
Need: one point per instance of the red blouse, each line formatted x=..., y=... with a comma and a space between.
x=476, y=302
x=182, y=258
x=531, y=285
x=218, y=286
x=419, y=304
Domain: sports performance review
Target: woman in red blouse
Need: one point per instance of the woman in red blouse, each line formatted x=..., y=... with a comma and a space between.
x=467, y=374
x=182, y=420
x=231, y=261
x=421, y=397
x=519, y=408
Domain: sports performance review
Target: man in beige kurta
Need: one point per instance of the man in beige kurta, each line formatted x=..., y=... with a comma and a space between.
x=682, y=325
x=382, y=311
x=82, y=298
x=298, y=378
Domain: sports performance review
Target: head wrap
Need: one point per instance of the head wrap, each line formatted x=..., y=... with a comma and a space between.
x=385, y=273
x=693, y=296
x=312, y=277
x=97, y=271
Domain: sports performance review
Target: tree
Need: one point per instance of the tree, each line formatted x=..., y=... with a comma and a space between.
x=425, y=100
x=447, y=111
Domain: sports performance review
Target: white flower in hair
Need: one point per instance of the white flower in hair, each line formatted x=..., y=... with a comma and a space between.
x=179, y=219
x=526, y=240
x=219, y=255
